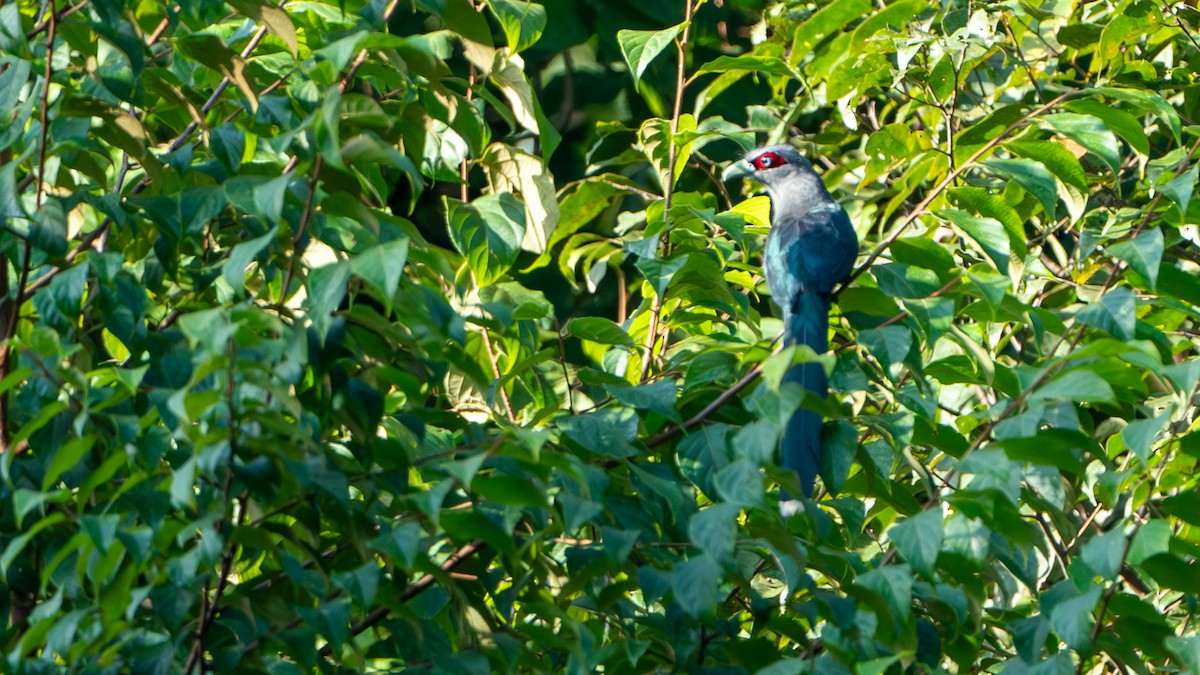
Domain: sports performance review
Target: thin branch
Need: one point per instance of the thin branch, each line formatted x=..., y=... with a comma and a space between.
x=491, y=353
x=652, y=330
x=947, y=182
x=750, y=376
x=1076, y=335
x=10, y=323
x=210, y=607
x=50, y=19
x=85, y=243
x=562, y=359
x=305, y=216
x=420, y=586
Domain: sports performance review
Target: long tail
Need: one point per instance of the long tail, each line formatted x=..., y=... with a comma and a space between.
x=801, y=448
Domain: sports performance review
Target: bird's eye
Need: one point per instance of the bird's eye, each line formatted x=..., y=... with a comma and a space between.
x=768, y=160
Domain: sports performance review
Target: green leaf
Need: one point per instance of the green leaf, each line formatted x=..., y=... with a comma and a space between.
x=1181, y=187
x=1091, y=133
x=740, y=483
x=657, y=396
x=470, y=26
x=512, y=170
x=257, y=195
x=922, y=252
x=1080, y=384
x=525, y=104
x=1120, y=122
x=754, y=63
x=382, y=267
x=1140, y=435
x=827, y=20
x=1187, y=650
x=840, y=440
x=988, y=205
x=488, y=231
x=1120, y=31
x=1143, y=253
x=608, y=432
x=714, y=530
x=66, y=458
x=234, y=269
x=1030, y=175
x=973, y=137
x=919, y=539
x=18, y=543
x=696, y=584
x=1171, y=571
x=1105, y=554
x=1055, y=157
x=640, y=47
x=1149, y=540
x=1146, y=101
x=895, y=584
x=509, y=490
x=935, y=316
x=401, y=542
x=523, y=22
x=183, y=485
x=326, y=287
x=987, y=233
x=273, y=17
x=601, y=330
x=1184, y=506
x=1060, y=448
x=1072, y=619
x=212, y=51
x=659, y=272
x=890, y=345
x=40, y=420
x=888, y=147
x=1115, y=312
x=904, y=281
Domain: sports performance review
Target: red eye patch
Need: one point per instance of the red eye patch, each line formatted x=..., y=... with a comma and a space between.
x=768, y=160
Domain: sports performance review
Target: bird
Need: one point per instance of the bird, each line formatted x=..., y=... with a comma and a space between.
x=811, y=247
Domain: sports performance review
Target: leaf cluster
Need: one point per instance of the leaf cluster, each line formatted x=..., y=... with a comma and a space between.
x=432, y=336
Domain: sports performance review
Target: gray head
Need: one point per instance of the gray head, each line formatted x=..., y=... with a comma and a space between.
x=776, y=164
x=790, y=179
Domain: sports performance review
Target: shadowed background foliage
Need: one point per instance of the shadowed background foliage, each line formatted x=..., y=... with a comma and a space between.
x=428, y=334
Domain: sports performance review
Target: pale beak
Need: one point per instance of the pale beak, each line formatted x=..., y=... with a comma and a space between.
x=738, y=170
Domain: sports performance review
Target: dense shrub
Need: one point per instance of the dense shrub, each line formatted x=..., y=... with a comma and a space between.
x=430, y=335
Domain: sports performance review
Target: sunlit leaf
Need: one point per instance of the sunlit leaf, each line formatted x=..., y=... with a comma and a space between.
x=640, y=47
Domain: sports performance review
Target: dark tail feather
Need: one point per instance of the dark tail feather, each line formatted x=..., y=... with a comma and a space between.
x=801, y=447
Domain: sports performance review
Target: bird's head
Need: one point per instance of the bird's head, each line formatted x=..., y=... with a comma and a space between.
x=776, y=164
x=787, y=175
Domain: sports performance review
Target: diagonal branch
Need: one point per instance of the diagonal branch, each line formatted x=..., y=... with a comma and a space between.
x=420, y=586
x=936, y=192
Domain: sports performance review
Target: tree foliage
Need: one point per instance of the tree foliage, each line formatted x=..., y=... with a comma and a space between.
x=369, y=335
